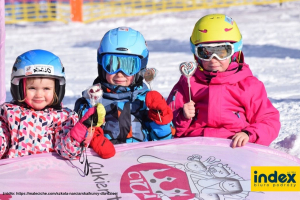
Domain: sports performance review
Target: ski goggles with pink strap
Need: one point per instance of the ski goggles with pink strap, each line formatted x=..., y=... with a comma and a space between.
x=221, y=51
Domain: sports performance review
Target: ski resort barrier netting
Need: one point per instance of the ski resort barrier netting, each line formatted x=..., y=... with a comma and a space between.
x=86, y=11
x=18, y=11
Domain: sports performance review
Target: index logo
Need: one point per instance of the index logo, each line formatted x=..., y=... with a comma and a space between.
x=275, y=178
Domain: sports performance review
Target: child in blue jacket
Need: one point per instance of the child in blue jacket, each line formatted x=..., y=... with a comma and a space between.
x=133, y=112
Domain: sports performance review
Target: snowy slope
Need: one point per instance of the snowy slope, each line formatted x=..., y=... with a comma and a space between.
x=271, y=36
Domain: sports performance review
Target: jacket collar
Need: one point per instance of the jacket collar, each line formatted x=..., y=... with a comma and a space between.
x=119, y=93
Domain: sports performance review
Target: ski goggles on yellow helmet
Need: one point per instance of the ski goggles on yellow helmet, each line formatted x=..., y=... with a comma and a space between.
x=221, y=51
x=128, y=64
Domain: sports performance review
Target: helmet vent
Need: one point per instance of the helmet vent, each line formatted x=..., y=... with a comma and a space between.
x=122, y=49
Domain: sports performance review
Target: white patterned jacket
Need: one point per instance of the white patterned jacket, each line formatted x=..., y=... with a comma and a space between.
x=24, y=131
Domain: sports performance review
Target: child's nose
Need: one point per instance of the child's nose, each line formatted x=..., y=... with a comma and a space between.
x=120, y=73
x=39, y=93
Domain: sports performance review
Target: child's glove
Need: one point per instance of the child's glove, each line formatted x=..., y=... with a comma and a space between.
x=159, y=111
x=101, y=145
x=95, y=117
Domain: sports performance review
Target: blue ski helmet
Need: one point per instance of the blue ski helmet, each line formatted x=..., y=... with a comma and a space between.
x=37, y=63
x=125, y=41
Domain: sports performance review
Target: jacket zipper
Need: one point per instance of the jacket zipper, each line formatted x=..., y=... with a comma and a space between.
x=237, y=114
x=173, y=105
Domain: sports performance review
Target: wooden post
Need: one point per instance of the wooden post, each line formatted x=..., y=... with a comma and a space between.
x=76, y=10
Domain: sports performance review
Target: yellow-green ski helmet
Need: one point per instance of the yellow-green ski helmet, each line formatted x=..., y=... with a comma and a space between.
x=215, y=28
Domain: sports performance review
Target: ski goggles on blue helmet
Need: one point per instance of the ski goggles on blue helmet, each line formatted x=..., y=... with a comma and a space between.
x=221, y=51
x=128, y=64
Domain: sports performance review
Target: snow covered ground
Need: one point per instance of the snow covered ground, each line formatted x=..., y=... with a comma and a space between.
x=271, y=35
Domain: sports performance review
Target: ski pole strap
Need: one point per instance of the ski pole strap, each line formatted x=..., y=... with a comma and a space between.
x=83, y=159
x=86, y=167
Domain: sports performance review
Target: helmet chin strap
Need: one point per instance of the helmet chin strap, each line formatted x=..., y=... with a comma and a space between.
x=24, y=91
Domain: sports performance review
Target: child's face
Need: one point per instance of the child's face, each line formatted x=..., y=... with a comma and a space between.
x=119, y=79
x=216, y=65
x=40, y=92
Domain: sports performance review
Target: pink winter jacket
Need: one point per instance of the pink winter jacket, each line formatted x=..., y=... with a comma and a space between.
x=24, y=131
x=226, y=103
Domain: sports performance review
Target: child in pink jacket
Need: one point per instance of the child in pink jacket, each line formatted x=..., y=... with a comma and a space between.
x=227, y=101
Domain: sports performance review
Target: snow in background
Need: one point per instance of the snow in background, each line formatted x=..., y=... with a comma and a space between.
x=271, y=35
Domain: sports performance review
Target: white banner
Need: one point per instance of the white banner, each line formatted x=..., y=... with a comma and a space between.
x=179, y=169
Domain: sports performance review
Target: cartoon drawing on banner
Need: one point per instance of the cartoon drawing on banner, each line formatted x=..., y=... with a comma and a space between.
x=156, y=178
